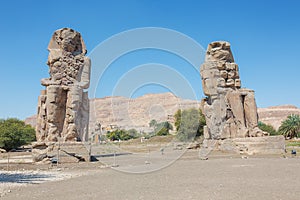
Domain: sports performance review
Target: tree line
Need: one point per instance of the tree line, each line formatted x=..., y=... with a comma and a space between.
x=188, y=124
x=290, y=128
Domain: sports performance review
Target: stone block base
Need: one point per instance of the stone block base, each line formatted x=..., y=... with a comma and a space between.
x=67, y=152
x=247, y=146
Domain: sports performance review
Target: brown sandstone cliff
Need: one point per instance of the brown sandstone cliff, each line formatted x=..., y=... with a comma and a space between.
x=276, y=114
x=137, y=113
x=133, y=113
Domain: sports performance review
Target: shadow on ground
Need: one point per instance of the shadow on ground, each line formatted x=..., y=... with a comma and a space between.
x=24, y=178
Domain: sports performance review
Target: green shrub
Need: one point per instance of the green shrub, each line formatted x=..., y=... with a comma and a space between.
x=122, y=134
x=189, y=124
x=153, y=123
x=160, y=129
x=267, y=128
x=162, y=132
x=15, y=133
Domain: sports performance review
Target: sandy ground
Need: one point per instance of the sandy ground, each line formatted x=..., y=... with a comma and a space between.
x=10, y=180
x=220, y=177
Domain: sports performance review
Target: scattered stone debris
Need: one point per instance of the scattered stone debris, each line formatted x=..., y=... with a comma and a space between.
x=193, y=145
x=2, y=150
x=67, y=152
x=177, y=146
x=147, y=162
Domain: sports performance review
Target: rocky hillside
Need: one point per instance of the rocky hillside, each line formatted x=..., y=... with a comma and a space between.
x=31, y=120
x=133, y=113
x=137, y=113
x=276, y=114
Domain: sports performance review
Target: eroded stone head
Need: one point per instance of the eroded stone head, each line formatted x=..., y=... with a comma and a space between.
x=67, y=40
x=219, y=69
x=66, y=58
x=219, y=50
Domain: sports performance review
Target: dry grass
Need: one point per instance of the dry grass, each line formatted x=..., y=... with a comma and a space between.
x=293, y=143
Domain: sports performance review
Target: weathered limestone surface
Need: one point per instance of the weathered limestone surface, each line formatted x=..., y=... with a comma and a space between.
x=247, y=146
x=230, y=110
x=67, y=152
x=63, y=107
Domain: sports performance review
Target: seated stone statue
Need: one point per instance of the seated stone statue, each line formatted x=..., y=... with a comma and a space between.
x=230, y=110
x=63, y=110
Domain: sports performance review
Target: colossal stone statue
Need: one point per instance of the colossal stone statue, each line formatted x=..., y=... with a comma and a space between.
x=63, y=107
x=230, y=110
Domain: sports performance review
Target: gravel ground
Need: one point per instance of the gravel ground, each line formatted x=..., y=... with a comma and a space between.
x=221, y=177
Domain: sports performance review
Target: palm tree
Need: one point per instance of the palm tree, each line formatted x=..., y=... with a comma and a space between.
x=290, y=128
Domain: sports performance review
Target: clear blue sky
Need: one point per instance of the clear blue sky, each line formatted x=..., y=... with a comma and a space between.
x=265, y=39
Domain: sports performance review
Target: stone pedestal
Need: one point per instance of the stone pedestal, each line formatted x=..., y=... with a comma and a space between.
x=66, y=152
x=246, y=146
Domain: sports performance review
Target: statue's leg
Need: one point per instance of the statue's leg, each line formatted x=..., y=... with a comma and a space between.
x=252, y=116
x=85, y=117
x=55, y=108
x=73, y=114
x=41, y=122
x=250, y=110
x=236, y=103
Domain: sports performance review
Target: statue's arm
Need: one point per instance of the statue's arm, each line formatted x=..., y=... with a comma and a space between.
x=48, y=81
x=85, y=75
